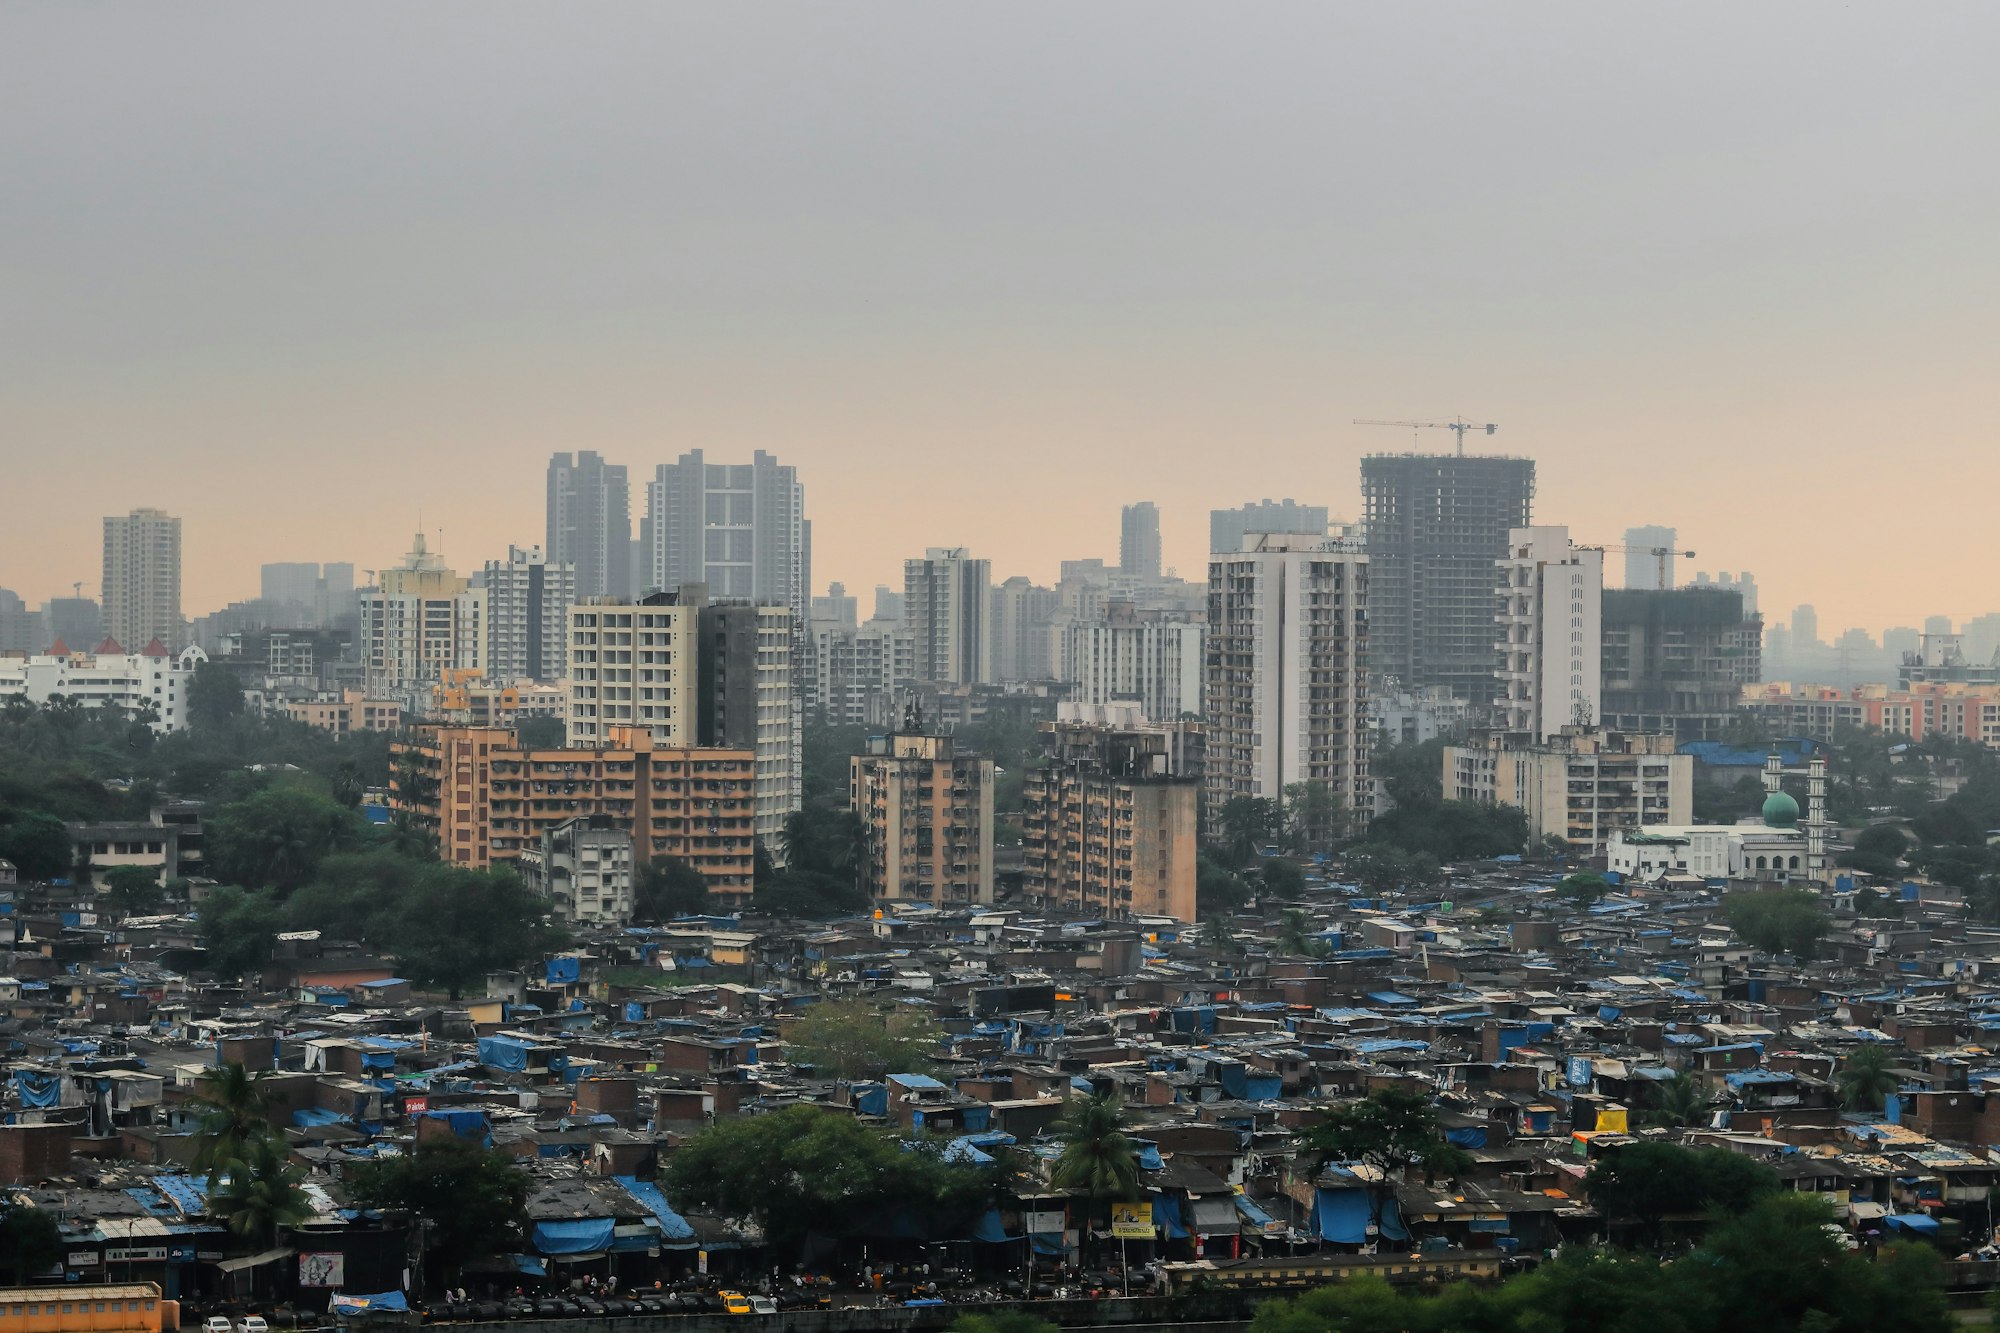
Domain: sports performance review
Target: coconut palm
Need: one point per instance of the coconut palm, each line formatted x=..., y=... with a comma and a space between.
x=1098, y=1161
x=233, y=1117
x=1296, y=936
x=1866, y=1078
x=261, y=1193
x=1682, y=1101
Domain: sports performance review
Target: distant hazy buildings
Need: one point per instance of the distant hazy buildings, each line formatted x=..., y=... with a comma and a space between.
x=1550, y=633
x=20, y=629
x=142, y=579
x=1227, y=527
x=1024, y=646
x=307, y=595
x=1287, y=646
x=1435, y=524
x=1744, y=583
x=1139, y=540
x=527, y=615
x=947, y=607
x=419, y=620
x=590, y=523
x=739, y=528
x=1642, y=565
x=77, y=621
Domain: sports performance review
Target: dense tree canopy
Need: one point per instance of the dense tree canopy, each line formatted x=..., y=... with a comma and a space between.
x=1781, y=920
x=806, y=1169
x=471, y=1198
x=1647, y=1182
x=858, y=1039
x=30, y=1243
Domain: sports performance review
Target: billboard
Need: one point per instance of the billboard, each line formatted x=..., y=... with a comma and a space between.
x=1132, y=1221
x=322, y=1270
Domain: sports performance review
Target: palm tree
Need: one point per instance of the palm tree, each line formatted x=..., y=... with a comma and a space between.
x=262, y=1193
x=1098, y=1160
x=1682, y=1101
x=1296, y=936
x=1866, y=1078
x=233, y=1117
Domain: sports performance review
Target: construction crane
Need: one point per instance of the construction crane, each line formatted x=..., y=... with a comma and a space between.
x=1663, y=558
x=1458, y=427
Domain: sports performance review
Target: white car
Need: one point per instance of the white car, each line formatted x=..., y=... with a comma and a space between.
x=218, y=1324
x=253, y=1324
x=763, y=1305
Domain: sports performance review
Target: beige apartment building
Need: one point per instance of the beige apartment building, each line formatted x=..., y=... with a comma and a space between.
x=1110, y=828
x=489, y=800
x=927, y=821
x=1580, y=785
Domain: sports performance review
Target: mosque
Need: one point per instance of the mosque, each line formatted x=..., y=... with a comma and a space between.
x=1775, y=849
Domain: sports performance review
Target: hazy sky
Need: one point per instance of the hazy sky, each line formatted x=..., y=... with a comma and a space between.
x=985, y=272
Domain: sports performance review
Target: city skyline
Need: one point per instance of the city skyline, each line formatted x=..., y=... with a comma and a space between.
x=1680, y=250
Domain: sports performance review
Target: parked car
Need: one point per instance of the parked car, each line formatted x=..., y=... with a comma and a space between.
x=253, y=1323
x=218, y=1324
x=763, y=1305
x=735, y=1302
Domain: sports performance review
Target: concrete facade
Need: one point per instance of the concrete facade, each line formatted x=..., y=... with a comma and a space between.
x=927, y=821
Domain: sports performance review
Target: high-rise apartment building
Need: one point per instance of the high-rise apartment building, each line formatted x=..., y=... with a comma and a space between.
x=1139, y=540
x=75, y=621
x=1676, y=660
x=739, y=528
x=527, y=616
x=947, y=607
x=1550, y=620
x=1580, y=784
x=926, y=816
x=1023, y=647
x=1151, y=658
x=20, y=628
x=590, y=523
x=1436, y=523
x=420, y=620
x=1109, y=827
x=690, y=672
x=1228, y=527
x=1287, y=649
x=1643, y=562
x=142, y=579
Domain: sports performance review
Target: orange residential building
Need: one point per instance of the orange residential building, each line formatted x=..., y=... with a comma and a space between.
x=1960, y=709
x=488, y=799
x=352, y=711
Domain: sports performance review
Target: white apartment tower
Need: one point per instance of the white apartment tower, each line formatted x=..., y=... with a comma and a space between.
x=1287, y=640
x=947, y=608
x=1551, y=633
x=1151, y=658
x=527, y=615
x=142, y=579
x=633, y=664
x=419, y=620
x=739, y=528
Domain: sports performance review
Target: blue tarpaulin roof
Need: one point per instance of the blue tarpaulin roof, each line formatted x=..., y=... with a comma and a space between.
x=585, y=1236
x=990, y=1230
x=672, y=1225
x=1918, y=1222
x=391, y=1302
x=1342, y=1216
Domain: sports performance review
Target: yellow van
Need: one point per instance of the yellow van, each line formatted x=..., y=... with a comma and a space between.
x=735, y=1302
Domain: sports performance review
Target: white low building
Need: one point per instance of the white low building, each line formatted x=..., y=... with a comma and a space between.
x=1773, y=851
x=153, y=679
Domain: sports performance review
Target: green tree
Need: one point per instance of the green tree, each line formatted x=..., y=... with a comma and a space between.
x=821, y=878
x=809, y=1169
x=1782, y=920
x=1866, y=1078
x=1296, y=936
x=1390, y=1131
x=262, y=1192
x=1001, y=1321
x=214, y=695
x=1248, y=824
x=276, y=838
x=30, y=1243
x=470, y=1199
x=856, y=1039
x=1680, y=1100
x=1312, y=817
x=1099, y=1162
x=1282, y=878
x=1878, y=850
x=238, y=929
x=540, y=733
x=1585, y=888
x=463, y=924
x=233, y=1112
x=1217, y=888
x=667, y=888
x=1411, y=774
x=133, y=890
x=1646, y=1183
x=38, y=844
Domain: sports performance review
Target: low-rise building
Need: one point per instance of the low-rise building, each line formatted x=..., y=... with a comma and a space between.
x=151, y=682
x=927, y=820
x=348, y=712
x=1579, y=785
x=584, y=867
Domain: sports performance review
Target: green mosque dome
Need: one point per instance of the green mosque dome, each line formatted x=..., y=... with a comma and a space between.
x=1780, y=811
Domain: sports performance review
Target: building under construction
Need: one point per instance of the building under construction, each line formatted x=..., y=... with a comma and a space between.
x=1676, y=660
x=1436, y=525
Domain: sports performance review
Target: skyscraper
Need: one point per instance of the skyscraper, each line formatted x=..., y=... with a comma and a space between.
x=1287, y=641
x=142, y=580
x=1551, y=633
x=1023, y=643
x=739, y=528
x=590, y=523
x=1139, y=540
x=1227, y=527
x=1436, y=524
x=947, y=607
x=1642, y=566
x=527, y=616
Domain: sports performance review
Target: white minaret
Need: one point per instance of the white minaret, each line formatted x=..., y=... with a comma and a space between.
x=1772, y=772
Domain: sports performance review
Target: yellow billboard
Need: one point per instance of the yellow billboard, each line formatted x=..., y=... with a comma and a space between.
x=1132, y=1221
